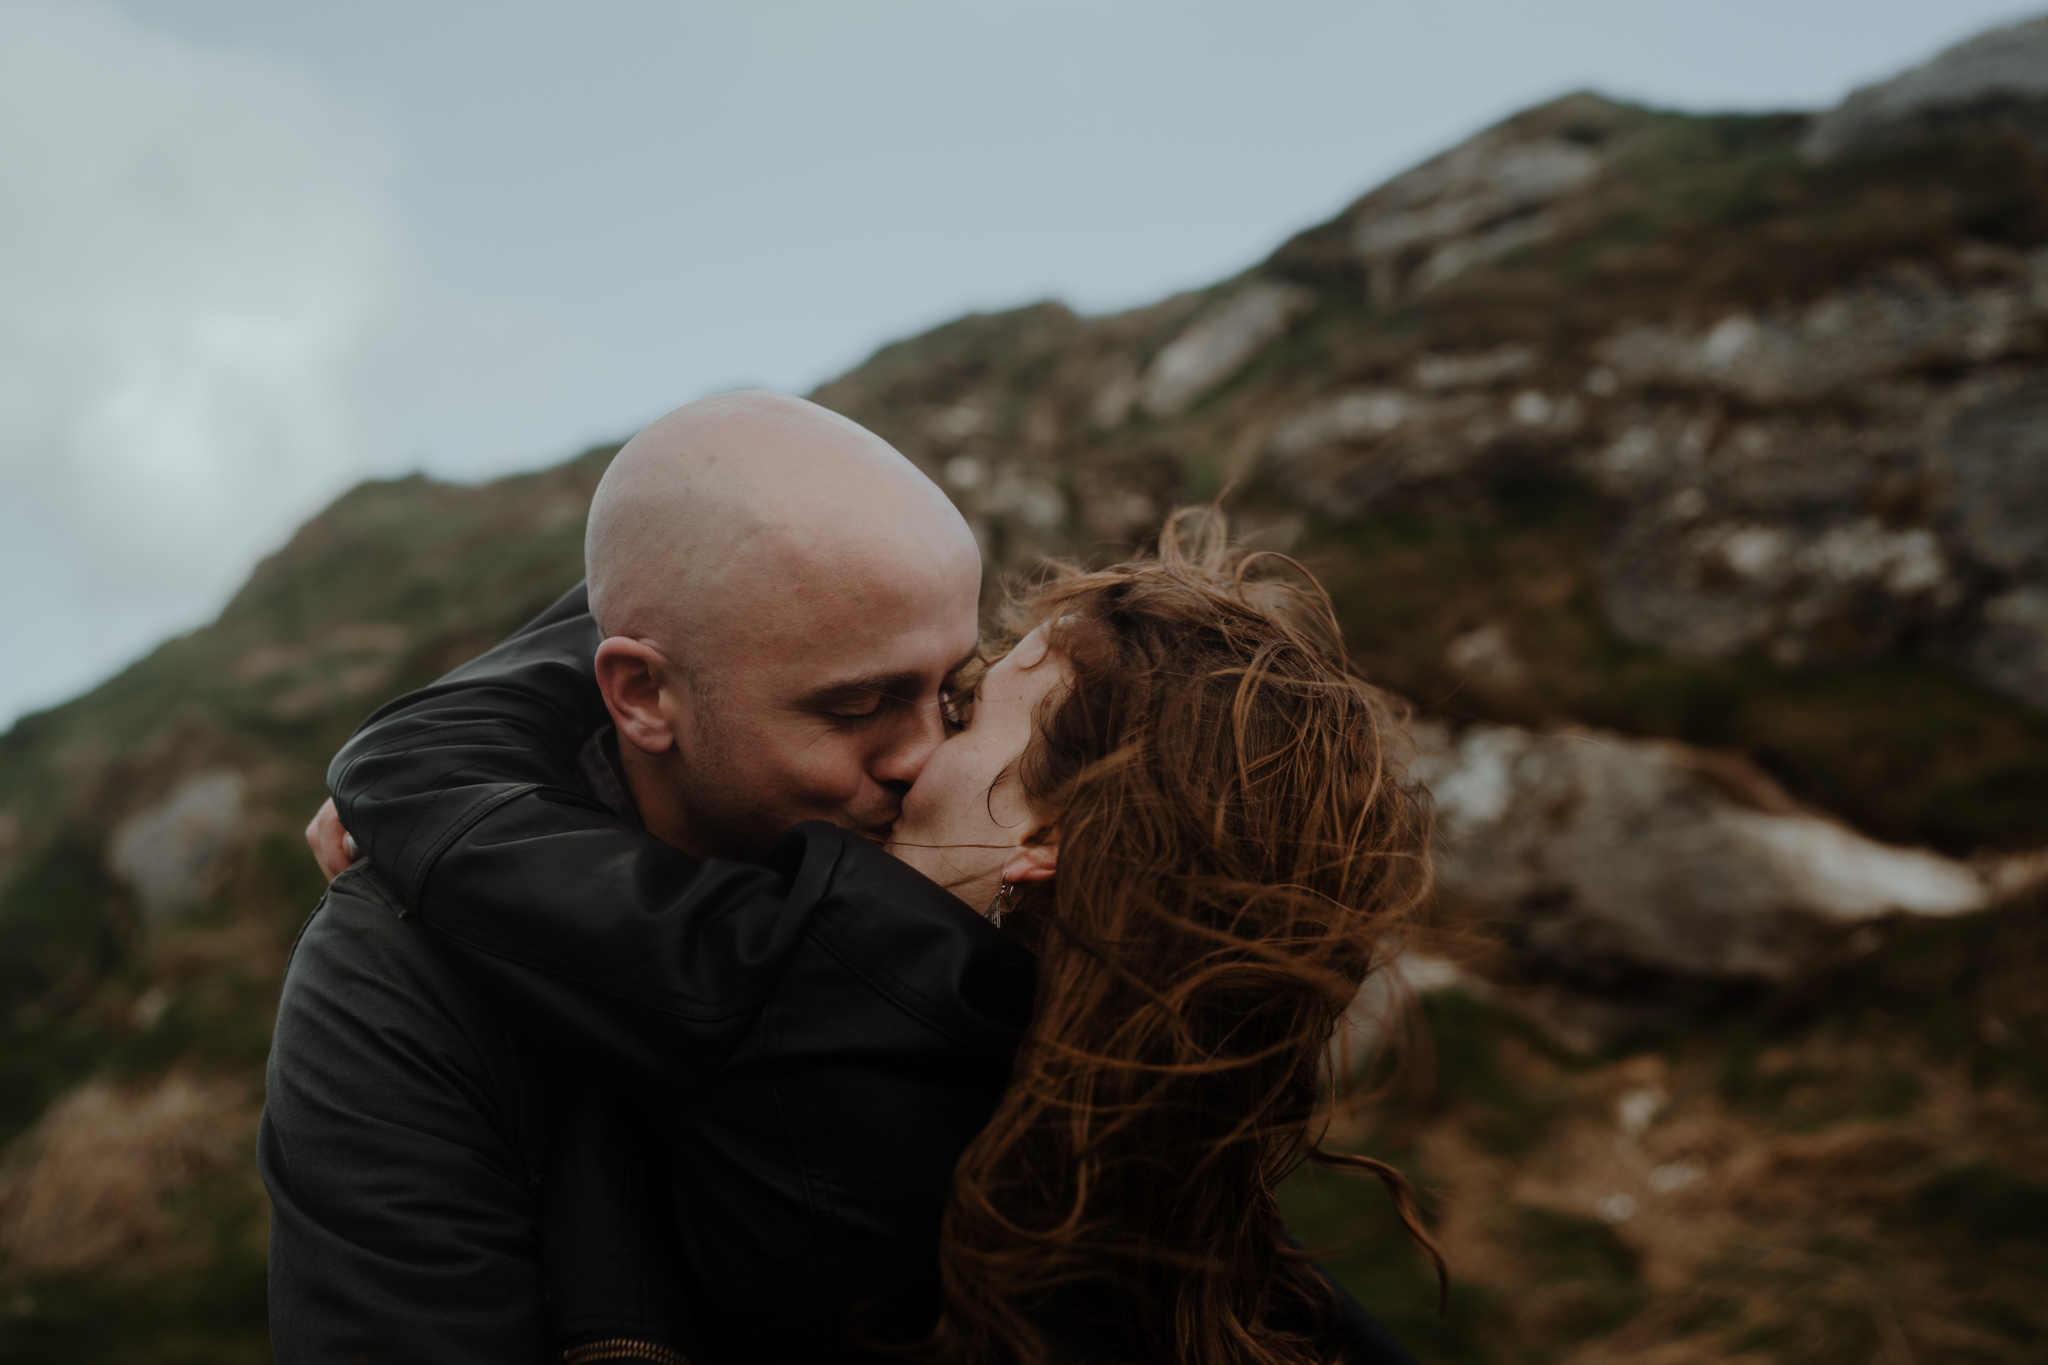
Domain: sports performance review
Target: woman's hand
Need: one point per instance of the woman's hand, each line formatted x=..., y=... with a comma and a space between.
x=332, y=847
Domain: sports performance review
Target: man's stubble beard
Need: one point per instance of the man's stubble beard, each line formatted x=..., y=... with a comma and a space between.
x=721, y=808
x=728, y=813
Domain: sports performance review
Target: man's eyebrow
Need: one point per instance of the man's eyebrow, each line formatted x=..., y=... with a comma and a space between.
x=903, y=686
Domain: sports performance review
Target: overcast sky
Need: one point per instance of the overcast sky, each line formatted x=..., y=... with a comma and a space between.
x=254, y=250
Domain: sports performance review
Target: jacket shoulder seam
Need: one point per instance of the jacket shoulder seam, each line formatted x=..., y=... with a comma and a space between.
x=416, y=887
x=906, y=997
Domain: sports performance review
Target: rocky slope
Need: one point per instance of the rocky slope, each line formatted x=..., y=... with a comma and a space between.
x=1638, y=419
x=1690, y=475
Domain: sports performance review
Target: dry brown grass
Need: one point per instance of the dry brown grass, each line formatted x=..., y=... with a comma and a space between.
x=87, y=1186
x=1753, y=1242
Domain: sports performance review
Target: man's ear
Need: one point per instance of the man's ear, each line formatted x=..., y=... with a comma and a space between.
x=633, y=674
x=1035, y=858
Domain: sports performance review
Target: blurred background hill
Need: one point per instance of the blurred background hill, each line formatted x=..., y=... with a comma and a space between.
x=1688, y=474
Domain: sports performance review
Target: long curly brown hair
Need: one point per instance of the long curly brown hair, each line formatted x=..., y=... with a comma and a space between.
x=1235, y=842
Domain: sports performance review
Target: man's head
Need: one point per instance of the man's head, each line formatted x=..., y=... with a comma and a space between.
x=784, y=597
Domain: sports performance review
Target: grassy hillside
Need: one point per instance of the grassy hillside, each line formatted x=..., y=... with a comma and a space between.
x=1855, y=1169
x=136, y=1232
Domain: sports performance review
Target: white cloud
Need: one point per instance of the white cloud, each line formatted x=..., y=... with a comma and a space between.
x=194, y=245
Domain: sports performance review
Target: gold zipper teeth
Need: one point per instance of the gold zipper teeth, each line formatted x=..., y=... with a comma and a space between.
x=623, y=1348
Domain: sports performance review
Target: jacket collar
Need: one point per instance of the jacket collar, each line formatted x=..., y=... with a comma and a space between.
x=911, y=939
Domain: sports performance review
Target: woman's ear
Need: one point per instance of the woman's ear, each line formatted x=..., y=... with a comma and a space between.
x=1035, y=858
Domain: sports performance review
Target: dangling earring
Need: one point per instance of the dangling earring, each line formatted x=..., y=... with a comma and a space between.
x=1000, y=906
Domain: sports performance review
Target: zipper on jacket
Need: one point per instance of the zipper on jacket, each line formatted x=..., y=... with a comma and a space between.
x=624, y=1348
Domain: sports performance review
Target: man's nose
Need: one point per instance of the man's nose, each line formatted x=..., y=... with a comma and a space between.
x=911, y=744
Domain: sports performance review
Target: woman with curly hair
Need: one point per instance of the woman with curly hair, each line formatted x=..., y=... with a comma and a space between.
x=1165, y=846
x=1203, y=841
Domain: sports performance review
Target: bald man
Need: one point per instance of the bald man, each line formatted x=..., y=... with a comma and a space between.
x=776, y=602
x=783, y=596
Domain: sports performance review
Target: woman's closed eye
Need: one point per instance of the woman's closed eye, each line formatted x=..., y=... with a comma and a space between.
x=956, y=707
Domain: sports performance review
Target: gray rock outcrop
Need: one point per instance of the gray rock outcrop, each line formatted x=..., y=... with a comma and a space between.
x=1904, y=320
x=1438, y=438
x=171, y=853
x=1219, y=342
x=1612, y=858
x=1821, y=536
x=1484, y=198
x=1825, y=482
x=1998, y=76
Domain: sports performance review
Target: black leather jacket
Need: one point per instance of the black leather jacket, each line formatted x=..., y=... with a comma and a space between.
x=814, y=1041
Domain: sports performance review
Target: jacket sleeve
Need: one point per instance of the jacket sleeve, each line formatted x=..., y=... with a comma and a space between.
x=637, y=957
x=403, y=1132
